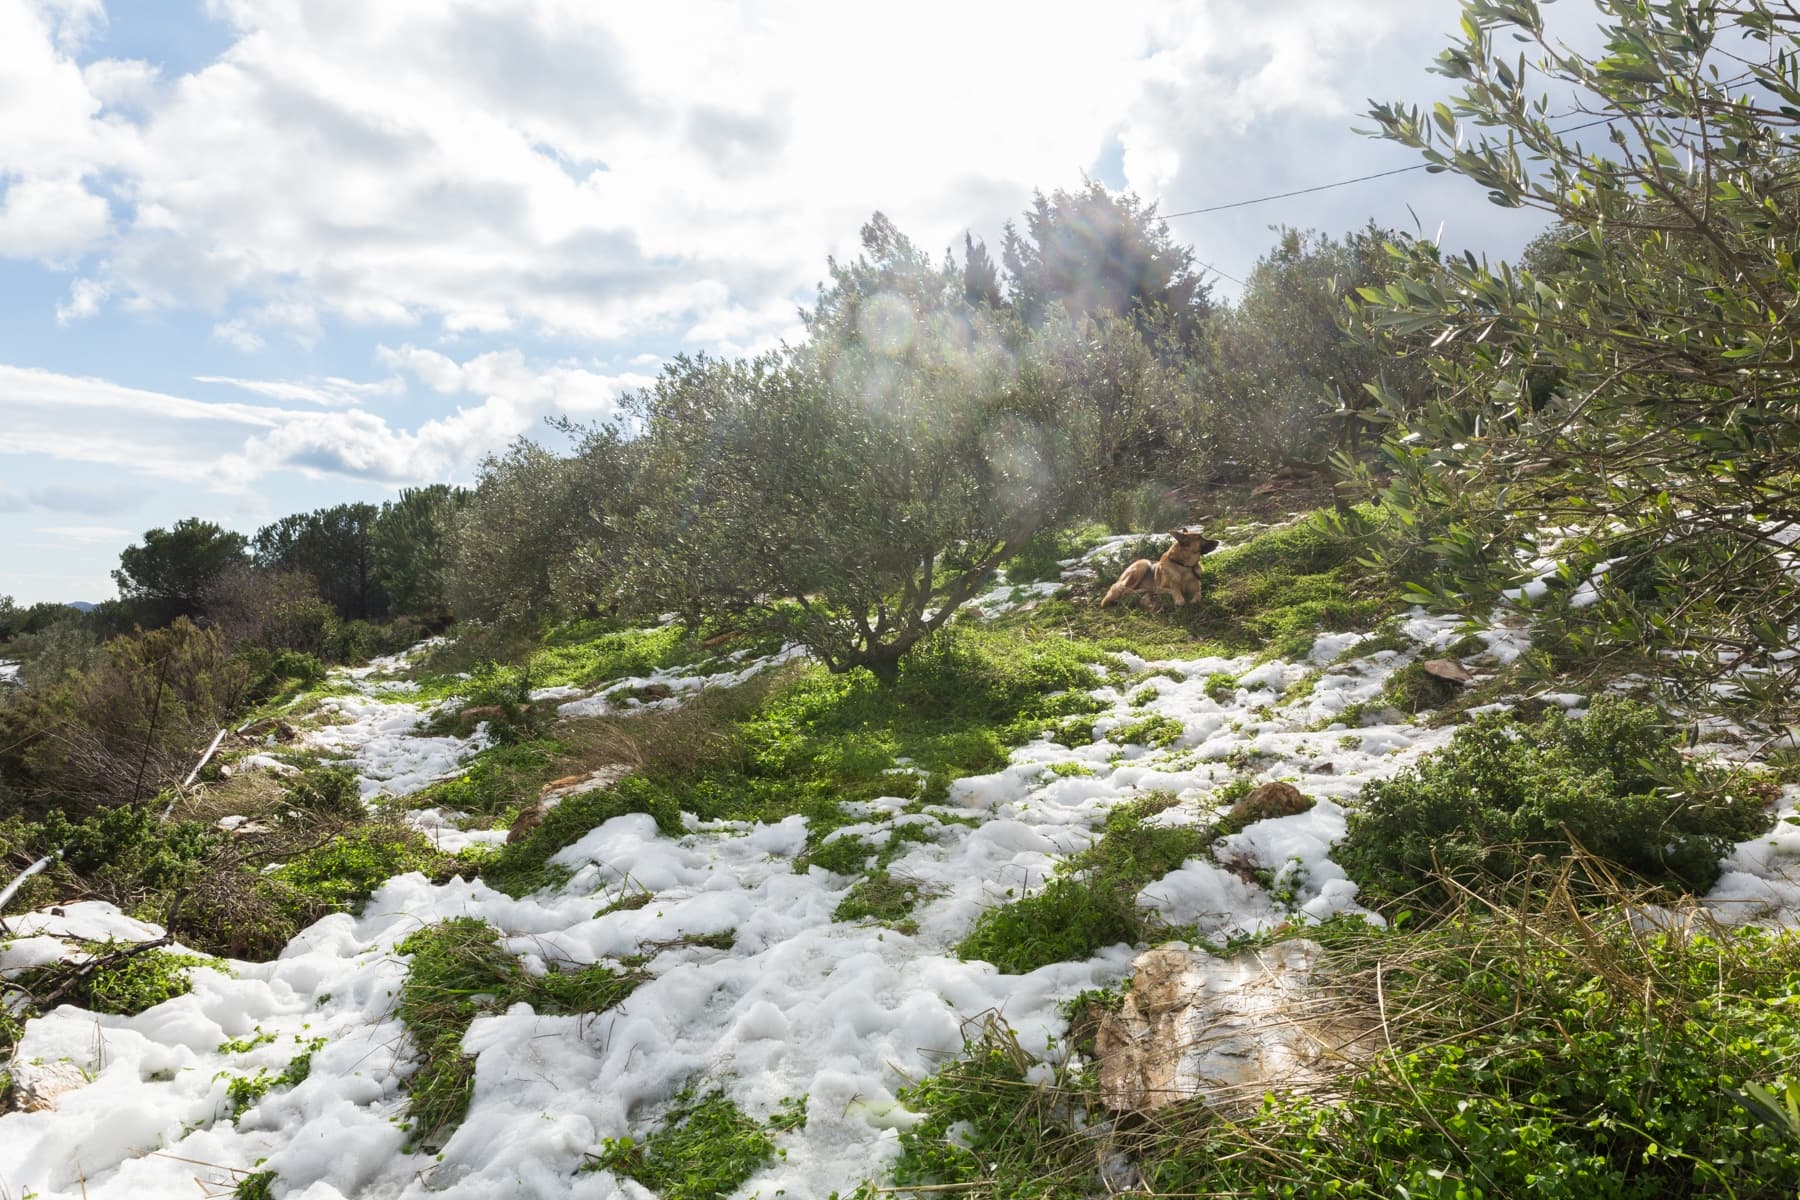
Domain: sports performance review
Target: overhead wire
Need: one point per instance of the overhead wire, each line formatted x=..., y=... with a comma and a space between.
x=1322, y=187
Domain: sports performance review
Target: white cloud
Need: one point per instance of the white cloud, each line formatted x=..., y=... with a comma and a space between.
x=30, y=388
x=514, y=400
x=230, y=446
x=236, y=333
x=72, y=21
x=86, y=533
x=617, y=172
x=122, y=83
x=567, y=386
x=85, y=298
x=330, y=392
x=51, y=218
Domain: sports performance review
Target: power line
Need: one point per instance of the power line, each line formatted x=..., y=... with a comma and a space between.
x=1323, y=187
x=1194, y=212
x=1226, y=274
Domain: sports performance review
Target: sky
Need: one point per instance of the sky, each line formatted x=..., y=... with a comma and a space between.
x=264, y=256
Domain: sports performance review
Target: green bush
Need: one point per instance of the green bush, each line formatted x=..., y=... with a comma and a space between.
x=341, y=873
x=277, y=672
x=1504, y=791
x=1528, y=1053
x=125, y=855
x=359, y=641
x=140, y=982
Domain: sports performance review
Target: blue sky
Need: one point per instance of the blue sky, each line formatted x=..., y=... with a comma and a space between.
x=260, y=256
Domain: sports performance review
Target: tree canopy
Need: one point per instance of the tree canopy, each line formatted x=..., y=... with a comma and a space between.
x=170, y=571
x=1630, y=403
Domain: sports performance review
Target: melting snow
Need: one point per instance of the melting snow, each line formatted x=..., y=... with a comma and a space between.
x=846, y=1014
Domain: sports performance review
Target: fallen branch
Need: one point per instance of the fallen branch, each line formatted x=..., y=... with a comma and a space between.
x=12, y=888
x=195, y=773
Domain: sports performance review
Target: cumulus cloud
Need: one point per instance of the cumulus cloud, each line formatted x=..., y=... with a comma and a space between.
x=330, y=392
x=565, y=387
x=85, y=297
x=611, y=172
x=335, y=435
x=51, y=218
x=514, y=399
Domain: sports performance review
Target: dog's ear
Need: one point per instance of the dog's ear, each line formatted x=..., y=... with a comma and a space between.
x=1185, y=537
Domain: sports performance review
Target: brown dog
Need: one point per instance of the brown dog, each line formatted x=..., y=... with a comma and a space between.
x=1177, y=572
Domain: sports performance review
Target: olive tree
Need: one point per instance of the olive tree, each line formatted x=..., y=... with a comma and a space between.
x=1637, y=402
x=859, y=488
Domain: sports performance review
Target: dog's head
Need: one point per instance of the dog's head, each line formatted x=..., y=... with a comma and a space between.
x=1190, y=546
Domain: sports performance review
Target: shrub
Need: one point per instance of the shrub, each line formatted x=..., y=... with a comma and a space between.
x=139, y=982
x=124, y=855
x=504, y=690
x=340, y=874
x=1532, y=1051
x=132, y=722
x=1503, y=791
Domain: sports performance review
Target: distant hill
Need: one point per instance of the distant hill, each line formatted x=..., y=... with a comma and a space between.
x=83, y=605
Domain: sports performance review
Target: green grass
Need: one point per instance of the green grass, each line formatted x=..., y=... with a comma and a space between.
x=138, y=983
x=1071, y=770
x=341, y=873
x=245, y=1091
x=124, y=988
x=257, y=1186
x=1274, y=594
x=524, y=866
x=495, y=784
x=1038, y=561
x=1092, y=901
x=1530, y=1052
x=459, y=971
x=580, y=654
x=705, y=1149
x=888, y=899
x=1156, y=731
x=808, y=741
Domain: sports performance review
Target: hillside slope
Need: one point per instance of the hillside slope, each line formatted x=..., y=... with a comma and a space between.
x=761, y=967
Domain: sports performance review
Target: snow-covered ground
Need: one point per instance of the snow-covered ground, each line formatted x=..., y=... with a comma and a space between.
x=843, y=1013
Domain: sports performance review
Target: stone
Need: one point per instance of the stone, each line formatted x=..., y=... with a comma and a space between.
x=1448, y=670
x=558, y=790
x=1225, y=1030
x=37, y=1086
x=1273, y=799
